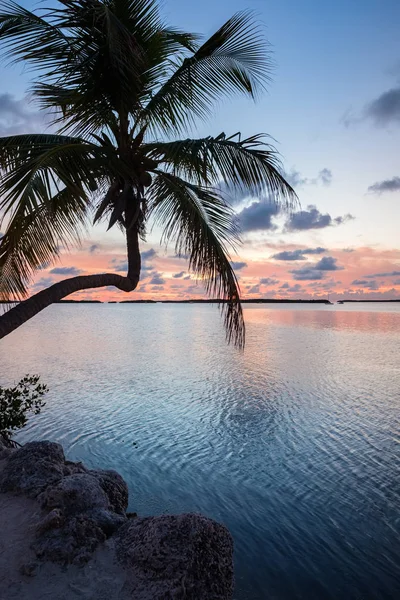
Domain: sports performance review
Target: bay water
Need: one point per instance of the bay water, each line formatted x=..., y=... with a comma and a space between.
x=294, y=443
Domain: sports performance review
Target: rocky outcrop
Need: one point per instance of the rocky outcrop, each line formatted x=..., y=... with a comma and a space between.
x=177, y=556
x=184, y=556
x=31, y=468
x=81, y=507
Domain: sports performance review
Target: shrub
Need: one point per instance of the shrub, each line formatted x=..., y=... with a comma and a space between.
x=16, y=402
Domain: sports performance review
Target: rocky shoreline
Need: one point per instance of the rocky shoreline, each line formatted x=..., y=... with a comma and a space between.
x=79, y=512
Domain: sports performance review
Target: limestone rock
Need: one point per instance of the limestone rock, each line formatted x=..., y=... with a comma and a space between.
x=82, y=507
x=114, y=487
x=75, y=494
x=184, y=556
x=53, y=520
x=31, y=468
x=73, y=543
x=178, y=557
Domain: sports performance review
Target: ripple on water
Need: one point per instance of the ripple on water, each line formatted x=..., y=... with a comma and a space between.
x=294, y=444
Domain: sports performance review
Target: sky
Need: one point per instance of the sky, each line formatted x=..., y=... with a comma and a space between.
x=333, y=107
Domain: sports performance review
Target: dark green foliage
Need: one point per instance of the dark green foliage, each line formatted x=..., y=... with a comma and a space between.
x=16, y=402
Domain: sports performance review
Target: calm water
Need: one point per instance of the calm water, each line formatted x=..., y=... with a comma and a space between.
x=294, y=445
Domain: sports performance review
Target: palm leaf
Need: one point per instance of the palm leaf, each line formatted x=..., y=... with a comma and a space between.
x=30, y=38
x=233, y=60
x=35, y=238
x=46, y=193
x=60, y=161
x=202, y=226
x=248, y=165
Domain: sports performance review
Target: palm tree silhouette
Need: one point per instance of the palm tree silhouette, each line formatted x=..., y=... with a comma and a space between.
x=122, y=88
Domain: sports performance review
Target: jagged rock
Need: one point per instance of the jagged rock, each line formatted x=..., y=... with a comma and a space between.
x=88, y=517
x=72, y=468
x=184, y=556
x=72, y=543
x=108, y=521
x=83, y=507
x=114, y=487
x=31, y=468
x=53, y=520
x=75, y=494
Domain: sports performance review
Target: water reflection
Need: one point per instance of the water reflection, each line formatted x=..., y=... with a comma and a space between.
x=294, y=444
x=373, y=321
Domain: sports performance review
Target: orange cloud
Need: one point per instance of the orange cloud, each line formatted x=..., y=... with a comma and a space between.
x=363, y=272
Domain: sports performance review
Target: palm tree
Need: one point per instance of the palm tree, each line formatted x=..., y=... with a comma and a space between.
x=120, y=85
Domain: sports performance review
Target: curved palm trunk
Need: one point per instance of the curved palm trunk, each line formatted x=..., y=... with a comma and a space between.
x=24, y=311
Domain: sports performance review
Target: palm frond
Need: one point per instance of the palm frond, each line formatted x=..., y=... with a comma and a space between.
x=27, y=37
x=248, y=165
x=202, y=226
x=46, y=191
x=233, y=60
x=36, y=237
x=60, y=161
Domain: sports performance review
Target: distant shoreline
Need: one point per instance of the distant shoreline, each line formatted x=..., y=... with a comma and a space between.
x=216, y=301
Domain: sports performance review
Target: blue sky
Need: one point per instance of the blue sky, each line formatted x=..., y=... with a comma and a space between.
x=332, y=60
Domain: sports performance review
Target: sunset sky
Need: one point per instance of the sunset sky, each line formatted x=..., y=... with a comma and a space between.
x=334, y=108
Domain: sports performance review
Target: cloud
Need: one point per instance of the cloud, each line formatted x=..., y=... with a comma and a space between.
x=294, y=288
x=258, y=216
x=187, y=278
x=42, y=283
x=312, y=218
x=385, y=109
x=285, y=286
x=298, y=254
x=254, y=289
x=387, y=185
x=344, y=219
x=93, y=248
x=317, y=250
x=327, y=263
x=120, y=266
x=237, y=266
x=15, y=116
x=307, y=274
x=316, y=272
x=371, y=285
x=396, y=282
x=148, y=254
x=325, y=176
x=296, y=179
x=65, y=271
x=290, y=255
x=268, y=281
x=157, y=279
x=192, y=288
x=390, y=274
x=178, y=275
